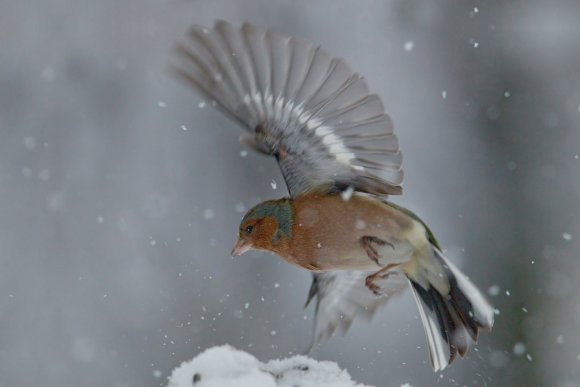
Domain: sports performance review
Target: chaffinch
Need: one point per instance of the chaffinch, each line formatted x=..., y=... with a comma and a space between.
x=340, y=159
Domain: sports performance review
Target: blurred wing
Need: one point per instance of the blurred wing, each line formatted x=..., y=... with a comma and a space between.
x=341, y=295
x=297, y=103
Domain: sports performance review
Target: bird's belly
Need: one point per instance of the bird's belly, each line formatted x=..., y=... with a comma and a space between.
x=350, y=254
x=331, y=232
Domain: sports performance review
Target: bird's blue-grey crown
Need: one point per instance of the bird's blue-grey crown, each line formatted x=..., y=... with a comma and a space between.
x=296, y=102
x=279, y=210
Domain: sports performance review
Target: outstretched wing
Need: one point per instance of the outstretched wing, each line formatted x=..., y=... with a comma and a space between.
x=342, y=295
x=297, y=103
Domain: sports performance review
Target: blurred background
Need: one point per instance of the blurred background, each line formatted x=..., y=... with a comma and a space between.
x=121, y=191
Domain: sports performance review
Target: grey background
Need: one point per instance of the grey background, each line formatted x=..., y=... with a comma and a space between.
x=116, y=223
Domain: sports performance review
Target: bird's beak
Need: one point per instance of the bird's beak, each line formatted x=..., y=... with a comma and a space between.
x=241, y=247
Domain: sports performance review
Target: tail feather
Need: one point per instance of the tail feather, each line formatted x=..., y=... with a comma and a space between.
x=450, y=318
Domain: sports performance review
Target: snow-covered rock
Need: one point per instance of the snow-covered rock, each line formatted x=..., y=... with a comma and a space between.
x=226, y=366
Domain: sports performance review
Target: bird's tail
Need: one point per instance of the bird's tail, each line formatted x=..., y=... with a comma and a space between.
x=451, y=315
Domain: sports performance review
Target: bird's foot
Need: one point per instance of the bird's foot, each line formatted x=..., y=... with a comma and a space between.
x=373, y=287
x=367, y=244
x=383, y=274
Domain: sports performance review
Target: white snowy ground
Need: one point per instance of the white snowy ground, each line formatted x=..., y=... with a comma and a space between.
x=226, y=366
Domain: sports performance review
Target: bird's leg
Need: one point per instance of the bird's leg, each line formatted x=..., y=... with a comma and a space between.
x=367, y=244
x=384, y=273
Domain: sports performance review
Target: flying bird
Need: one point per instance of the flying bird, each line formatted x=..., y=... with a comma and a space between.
x=340, y=160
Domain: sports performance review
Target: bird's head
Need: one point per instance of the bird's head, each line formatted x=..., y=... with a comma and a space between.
x=265, y=227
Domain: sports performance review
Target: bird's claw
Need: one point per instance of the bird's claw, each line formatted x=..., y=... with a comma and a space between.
x=382, y=274
x=367, y=243
x=373, y=287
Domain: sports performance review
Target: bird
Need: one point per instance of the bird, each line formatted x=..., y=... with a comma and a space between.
x=340, y=159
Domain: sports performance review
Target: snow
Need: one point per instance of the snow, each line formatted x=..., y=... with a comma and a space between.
x=29, y=142
x=208, y=214
x=519, y=349
x=360, y=224
x=529, y=357
x=44, y=175
x=498, y=359
x=26, y=172
x=493, y=290
x=347, y=193
x=225, y=366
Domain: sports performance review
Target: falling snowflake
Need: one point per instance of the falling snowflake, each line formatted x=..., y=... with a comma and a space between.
x=347, y=194
x=240, y=207
x=519, y=349
x=208, y=214
x=493, y=290
x=360, y=224
x=29, y=143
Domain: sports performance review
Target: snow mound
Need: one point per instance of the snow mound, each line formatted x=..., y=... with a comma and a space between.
x=226, y=366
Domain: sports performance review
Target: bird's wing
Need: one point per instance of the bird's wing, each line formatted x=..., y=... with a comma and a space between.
x=341, y=295
x=298, y=103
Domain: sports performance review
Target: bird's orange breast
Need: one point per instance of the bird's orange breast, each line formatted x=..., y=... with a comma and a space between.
x=326, y=231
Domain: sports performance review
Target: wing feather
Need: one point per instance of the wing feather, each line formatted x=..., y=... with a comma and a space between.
x=298, y=103
x=342, y=295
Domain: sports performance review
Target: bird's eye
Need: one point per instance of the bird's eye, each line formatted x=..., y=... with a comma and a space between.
x=249, y=229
